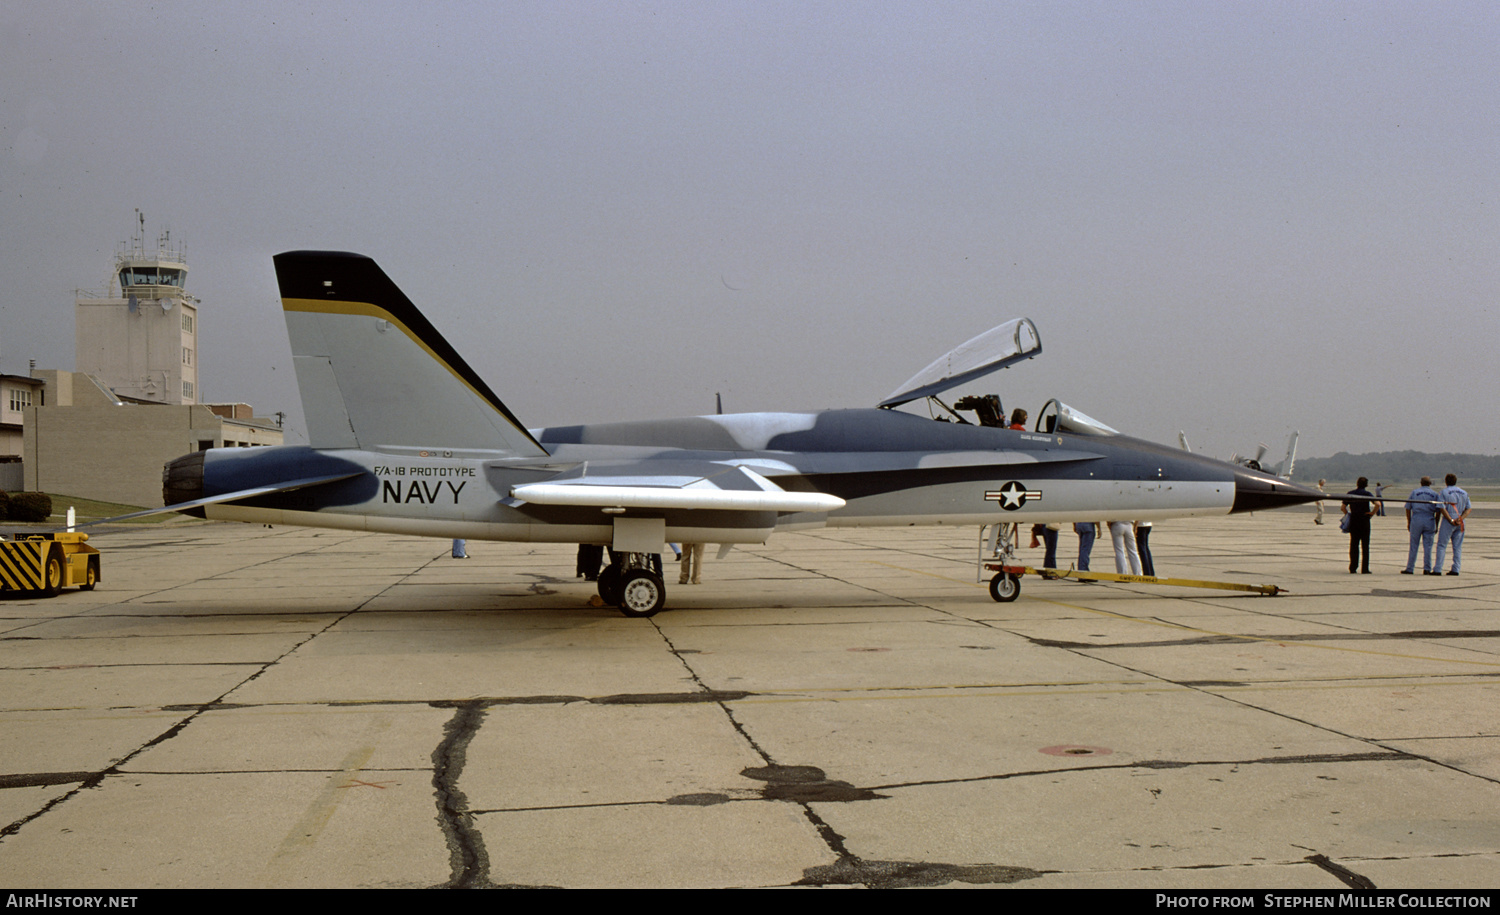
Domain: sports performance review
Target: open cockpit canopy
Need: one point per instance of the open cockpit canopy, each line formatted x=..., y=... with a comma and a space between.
x=1011, y=342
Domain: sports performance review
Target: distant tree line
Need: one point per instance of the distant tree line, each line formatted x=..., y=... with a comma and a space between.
x=1400, y=465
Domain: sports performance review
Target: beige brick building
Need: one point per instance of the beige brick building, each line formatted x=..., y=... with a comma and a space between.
x=89, y=443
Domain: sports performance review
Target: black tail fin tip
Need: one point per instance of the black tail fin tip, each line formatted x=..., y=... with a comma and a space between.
x=358, y=384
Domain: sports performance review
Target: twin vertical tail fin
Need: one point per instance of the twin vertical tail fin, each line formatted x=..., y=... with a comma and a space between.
x=1289, y=463
x=375, y=375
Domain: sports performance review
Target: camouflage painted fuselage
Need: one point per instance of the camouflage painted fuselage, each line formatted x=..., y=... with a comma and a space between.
x=890, y=468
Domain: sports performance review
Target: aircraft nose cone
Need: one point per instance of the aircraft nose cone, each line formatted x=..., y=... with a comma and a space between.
x=1256, y=491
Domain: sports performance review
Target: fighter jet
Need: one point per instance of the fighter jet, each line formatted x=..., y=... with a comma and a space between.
x=1282, y=470
x=406, y=438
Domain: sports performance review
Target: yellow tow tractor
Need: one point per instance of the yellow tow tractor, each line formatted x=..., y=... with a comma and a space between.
x=46, y=563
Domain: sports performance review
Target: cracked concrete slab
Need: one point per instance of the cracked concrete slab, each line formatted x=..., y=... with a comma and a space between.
x=225, y=829
x=1197, y=816
x=751, y=844
x=999, y=733
x=582, y=754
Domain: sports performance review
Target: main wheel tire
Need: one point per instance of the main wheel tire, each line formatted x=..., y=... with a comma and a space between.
x=609, y=584
x=1005, y=587
x=52, y=574
x=642, y=593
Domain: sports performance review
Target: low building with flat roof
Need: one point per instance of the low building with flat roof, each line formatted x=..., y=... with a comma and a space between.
x=88, y=442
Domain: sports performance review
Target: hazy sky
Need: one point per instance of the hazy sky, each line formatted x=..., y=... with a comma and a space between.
x=1233, y=219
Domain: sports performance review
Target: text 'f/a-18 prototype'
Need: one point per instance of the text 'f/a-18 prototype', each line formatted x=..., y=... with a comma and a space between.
x=405, y=438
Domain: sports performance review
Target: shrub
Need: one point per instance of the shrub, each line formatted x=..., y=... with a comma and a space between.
x=30, y=507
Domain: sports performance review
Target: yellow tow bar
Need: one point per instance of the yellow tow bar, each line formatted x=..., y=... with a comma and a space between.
x=1006, y=585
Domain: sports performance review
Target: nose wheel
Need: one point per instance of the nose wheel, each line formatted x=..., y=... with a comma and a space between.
x=1005, y=587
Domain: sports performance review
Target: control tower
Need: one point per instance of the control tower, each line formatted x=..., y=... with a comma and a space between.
x=141, y=337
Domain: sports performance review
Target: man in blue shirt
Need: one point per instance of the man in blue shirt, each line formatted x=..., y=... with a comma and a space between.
x=1455, y=507
x=1421, y=523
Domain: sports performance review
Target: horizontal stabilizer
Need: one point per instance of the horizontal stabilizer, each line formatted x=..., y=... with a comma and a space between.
x=673, y=485
x=228, y=497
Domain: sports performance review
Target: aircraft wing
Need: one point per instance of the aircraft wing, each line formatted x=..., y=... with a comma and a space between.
x=996, y=348
x=671, y=485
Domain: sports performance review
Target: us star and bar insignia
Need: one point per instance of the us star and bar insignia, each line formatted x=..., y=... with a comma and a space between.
x=1012, y=495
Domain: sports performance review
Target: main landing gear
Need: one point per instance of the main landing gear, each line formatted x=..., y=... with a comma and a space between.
x=630, y=584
